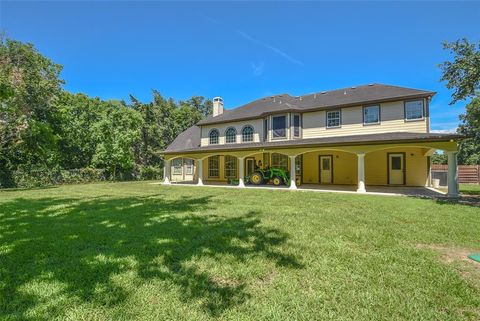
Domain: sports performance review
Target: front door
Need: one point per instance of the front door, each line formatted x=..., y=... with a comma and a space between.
x=326, y=169
x=396, y=168
x=250, y=168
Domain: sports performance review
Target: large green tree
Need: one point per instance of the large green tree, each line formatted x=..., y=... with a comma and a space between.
x=462, y=75
x=29, y=89
x=115, y=134
x=78, y=114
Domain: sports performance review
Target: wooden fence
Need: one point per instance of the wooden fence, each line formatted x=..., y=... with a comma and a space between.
x=466, y=173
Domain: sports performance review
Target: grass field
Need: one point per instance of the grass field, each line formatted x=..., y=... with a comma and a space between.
x=137, y=251
x=470, y=189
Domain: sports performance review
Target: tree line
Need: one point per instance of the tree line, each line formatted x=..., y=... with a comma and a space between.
x=44, y=128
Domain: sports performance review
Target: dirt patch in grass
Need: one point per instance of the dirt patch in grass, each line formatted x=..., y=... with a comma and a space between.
x=265, y=280
x=224, y=282
x=458, y=258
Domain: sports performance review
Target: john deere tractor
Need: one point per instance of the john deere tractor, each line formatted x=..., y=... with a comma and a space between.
x=277, y=176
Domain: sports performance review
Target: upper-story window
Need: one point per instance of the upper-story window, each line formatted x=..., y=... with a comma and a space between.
x=279, y=126
x=265, y=129
x=297, y=125
x=231, y=135
x=213, y=137
x=247, y=134
x=371, y=115
x=414, y=110
x=334, y=119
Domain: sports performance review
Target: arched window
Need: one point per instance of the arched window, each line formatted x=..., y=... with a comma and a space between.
x=231, y=135
x=247, y=134
x=213, y=137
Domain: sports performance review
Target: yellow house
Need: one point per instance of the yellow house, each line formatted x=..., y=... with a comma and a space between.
x=361, y=136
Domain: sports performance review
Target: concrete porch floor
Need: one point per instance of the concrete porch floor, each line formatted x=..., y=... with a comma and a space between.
x=372, y=190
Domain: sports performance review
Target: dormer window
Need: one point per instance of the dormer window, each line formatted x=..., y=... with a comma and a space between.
x=213, y=137
x=247, y=134
x=231, y=135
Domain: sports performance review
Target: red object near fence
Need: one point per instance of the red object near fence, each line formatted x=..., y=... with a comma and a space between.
x=466, y=173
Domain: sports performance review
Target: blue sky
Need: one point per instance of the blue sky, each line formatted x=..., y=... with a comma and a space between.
x=245, y=50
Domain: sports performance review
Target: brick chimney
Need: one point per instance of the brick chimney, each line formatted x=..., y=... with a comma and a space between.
x=217, y=106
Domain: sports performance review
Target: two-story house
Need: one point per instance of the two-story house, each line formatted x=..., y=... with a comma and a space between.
x=366, y=135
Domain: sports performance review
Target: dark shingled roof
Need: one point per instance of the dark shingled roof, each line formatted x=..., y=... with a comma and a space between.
x=187, y=140
x=382, y=138
x=352, y=96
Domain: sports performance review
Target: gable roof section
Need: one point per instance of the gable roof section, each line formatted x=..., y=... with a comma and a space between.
x=352, y=96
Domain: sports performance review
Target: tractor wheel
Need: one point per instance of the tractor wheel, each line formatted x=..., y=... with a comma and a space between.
x=277, y=181
x=256, y=178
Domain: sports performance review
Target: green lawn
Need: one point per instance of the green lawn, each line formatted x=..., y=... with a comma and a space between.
x=470, y=189
x=137, y=251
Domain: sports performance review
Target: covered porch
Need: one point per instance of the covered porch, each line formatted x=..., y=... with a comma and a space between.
x=394, y=168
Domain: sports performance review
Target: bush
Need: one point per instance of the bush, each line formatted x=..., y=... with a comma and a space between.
x=82, y=175
x=35, y=178
x=151, y=173
x=46, y=177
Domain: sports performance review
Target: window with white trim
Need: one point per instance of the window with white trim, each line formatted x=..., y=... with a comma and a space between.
x=247, y=134
x=414, y=110
x=230, y=166
x=213, y=166
x=371, y=115
x=213, y=137
x=279, y=126
x=230, y=135
x=334, y=119
x=177, y=164
x=280, y=161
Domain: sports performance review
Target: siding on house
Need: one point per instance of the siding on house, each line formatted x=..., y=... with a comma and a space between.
x=391, y=120
x=256, y=123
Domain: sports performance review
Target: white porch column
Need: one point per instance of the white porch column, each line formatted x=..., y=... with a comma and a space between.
x=200, y=172
x=241, y=172
x=166, y=172
x=452, y=174
x=361, y=173
x=293, y=182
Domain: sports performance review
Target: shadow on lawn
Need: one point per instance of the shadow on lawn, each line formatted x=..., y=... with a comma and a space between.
x=84, y=244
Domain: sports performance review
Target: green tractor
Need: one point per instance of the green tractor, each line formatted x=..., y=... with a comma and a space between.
x=277, y=176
